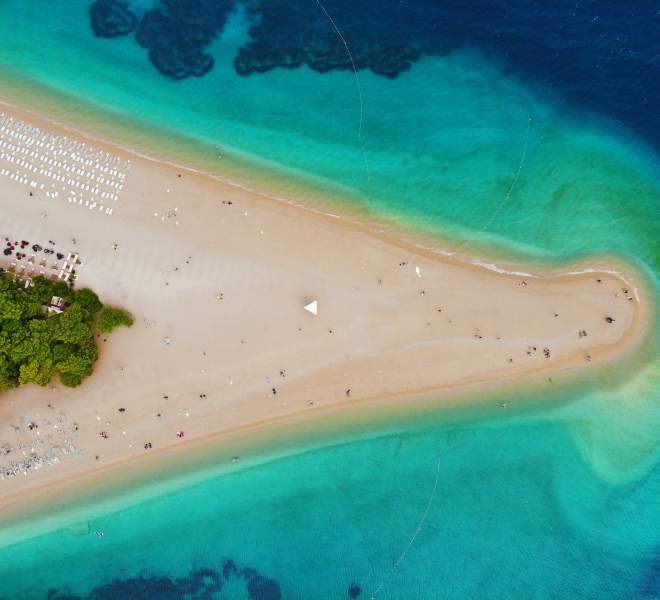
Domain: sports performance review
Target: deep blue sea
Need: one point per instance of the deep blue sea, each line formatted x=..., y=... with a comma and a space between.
x=526, y=129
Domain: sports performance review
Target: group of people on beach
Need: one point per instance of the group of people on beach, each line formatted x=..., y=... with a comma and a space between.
x=37, y=442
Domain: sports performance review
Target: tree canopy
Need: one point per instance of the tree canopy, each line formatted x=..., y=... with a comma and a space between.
x=109, y=318
x=36, y=346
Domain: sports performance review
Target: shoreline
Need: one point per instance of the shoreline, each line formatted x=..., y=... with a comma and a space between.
x=68, y=502
x=486, y=255
x=285, y=212
x=252, y=174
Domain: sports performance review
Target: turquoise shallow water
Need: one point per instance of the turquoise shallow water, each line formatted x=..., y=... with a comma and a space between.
x=556, y=503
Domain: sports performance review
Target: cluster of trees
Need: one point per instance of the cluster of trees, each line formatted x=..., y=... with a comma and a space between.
x=109, y=318
x=36, y=346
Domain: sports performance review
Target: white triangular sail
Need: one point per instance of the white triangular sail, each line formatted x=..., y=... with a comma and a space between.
x=312, y=307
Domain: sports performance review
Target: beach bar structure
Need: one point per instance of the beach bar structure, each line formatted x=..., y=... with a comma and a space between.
x=55, y=306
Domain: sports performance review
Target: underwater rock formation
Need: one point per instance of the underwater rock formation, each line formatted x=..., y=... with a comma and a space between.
x=578, y=49
x=199, y=584
x=177, y=32
x=649, y=586
x=111, y=18
x=384, y=37
x=260, y=587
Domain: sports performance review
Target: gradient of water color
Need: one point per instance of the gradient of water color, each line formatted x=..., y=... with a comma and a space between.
x=553, y=503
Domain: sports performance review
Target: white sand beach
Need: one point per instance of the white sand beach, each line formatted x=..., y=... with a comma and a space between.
x=217, y=279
